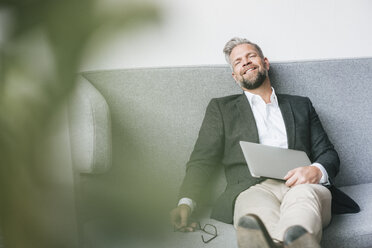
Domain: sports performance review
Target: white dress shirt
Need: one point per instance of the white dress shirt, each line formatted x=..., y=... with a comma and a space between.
x=271, y=130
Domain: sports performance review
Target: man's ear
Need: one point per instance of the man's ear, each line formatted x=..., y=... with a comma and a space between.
x=234, y=77
x=267, y=63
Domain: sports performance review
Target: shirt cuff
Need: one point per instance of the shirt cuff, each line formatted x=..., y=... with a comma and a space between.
x=324, y=180
x=189, y=202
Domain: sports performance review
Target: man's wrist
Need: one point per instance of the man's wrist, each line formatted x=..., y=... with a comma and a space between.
x=324, y=179
x=187, y=201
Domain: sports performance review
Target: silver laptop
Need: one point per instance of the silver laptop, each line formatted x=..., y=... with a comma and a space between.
x=270, y=161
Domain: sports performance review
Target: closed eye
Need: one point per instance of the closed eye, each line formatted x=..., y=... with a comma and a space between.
x=237, y=62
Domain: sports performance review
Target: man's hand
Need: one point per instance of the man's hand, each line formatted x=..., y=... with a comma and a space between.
x=180, y=219
x=301, y=175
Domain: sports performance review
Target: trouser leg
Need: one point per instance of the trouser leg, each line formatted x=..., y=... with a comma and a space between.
x=262, y=200
x=308, y=205
x=280, y=207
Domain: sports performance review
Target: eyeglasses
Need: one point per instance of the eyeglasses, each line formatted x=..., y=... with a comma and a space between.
x=208, y=229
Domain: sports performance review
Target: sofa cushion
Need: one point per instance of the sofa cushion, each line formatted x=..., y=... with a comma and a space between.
x=352, y=230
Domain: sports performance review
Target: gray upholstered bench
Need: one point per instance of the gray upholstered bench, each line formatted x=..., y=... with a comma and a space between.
x=138, y=127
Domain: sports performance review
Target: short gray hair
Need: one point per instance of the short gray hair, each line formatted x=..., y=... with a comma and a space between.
x=238, y=41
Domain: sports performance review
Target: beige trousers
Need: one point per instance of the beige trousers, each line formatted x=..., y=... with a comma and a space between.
x=280, y=207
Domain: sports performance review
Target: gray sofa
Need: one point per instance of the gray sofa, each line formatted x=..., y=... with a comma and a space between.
x=132, y=131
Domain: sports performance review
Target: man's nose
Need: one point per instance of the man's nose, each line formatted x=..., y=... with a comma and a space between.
x=246, y=61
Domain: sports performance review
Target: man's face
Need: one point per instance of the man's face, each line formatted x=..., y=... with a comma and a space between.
x=249, y=69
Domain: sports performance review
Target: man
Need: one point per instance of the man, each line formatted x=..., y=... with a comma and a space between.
x=264, y=212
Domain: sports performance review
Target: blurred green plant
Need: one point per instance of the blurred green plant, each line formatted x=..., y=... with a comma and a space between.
x=40, y=57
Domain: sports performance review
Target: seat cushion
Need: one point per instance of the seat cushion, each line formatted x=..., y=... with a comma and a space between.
x=352, y=230
x=226, y=237
x=345, y=231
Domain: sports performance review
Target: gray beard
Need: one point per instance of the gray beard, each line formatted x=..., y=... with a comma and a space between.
x=254, y=84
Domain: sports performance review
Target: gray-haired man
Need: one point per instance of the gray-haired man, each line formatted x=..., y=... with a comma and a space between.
x=264, y=212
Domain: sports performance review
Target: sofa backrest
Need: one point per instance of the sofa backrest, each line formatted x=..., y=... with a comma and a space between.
x=156, y=113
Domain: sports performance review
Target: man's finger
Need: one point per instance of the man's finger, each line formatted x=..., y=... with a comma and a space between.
x=194, y=225
x=189, y=229
x=174, y=219
x=291, y=181
x=184, y=215
x=289, y=174
x=181, y=229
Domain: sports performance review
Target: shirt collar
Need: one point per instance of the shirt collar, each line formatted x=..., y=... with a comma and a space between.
x=273, y=97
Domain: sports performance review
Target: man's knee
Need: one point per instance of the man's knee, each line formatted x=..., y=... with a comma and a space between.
x=309, y=191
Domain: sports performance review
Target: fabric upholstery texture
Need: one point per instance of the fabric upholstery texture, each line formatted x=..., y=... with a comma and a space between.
x=352, y=230
x=90, y=129
x=156, y=114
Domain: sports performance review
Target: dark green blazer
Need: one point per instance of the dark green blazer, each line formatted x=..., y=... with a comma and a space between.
x=229, y=120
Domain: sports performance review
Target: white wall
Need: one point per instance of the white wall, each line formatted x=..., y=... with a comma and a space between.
x=195, y=31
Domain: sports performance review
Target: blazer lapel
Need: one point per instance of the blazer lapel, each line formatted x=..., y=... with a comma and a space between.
x=247, y=123
x=287, y=113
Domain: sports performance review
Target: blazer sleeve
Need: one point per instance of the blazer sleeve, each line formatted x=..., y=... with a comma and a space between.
x=322, y=150
x=207, y=153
